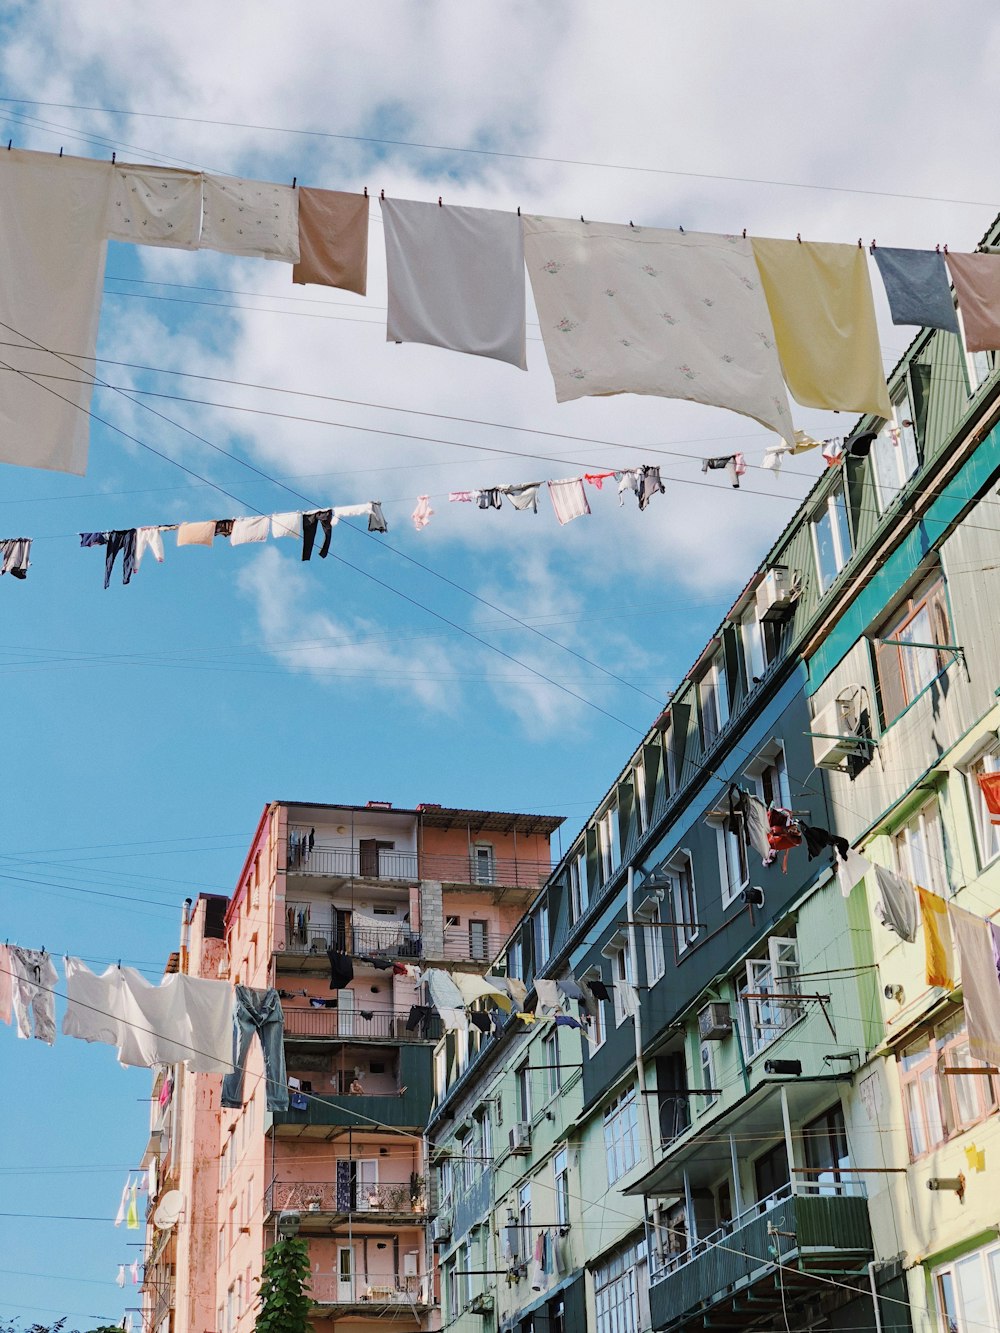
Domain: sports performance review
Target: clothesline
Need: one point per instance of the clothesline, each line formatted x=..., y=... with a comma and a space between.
x=724, y=320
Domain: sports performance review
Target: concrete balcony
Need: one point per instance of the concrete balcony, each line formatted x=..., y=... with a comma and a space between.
x=399, y=1203
x=472, y=870
x=367, y=1025
x=408, y=1107
x=731, y=1278
x=369, y=1295
x=360, y=862
x=306, y=946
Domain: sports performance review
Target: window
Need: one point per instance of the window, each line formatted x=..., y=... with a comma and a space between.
x=477, y=940
x=894, y=453
x=515, y=966
x=639, y=782
x=919, y=849
x=619, y=1291
x=938, y=1106
x=707, y=1057
x=230, y=1308
x=968, y=1292
x=827, y=1154
x=524, y=1237
x=485, y=1136
x=445, y=1180
x=468, y=1264
x=550, y=1047
x=540, y=927
x=683, y=901
x=831, y=534
x=987, y=833
x=713, y=701
x=595, y=1014
x=524, y=1094
x=621, y=1135
x=484, y=863
x=560, y=1183
x=903, y=672
x=440, y=1072
x=770, y=774
x=752, y=639
x=649, y=915
x=623, y=976
x=734, y=862
x=578, y=892
x=770, y=1173
x=776, y=974
x=607, y=841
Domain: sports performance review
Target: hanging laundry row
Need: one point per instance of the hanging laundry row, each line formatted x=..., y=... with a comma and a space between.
x=132, y=543
x=725, y=320
x=568, y=496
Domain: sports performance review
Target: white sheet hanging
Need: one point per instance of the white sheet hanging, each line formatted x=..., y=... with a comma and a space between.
x=155, y=206
x=643, y=310
x=53, y=213
x=247, y=217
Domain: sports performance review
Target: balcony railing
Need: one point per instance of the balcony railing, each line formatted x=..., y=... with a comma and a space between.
x=389, y=941
x=371, y=1289
x=465, y=944
x=830, y=1229
x=404, y=1198
x=353, y=862
x=356, y=1025
x=489, y=872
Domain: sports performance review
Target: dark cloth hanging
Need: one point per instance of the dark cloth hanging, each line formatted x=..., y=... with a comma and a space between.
x=121, y=539
x=597, y=988
x=309, y=524
x=818, y=838
x=420, y=1016
x=376, y=519
x=649, y=484
x=859, y=446
x=490, y=498
x=569, y=987
x=530, y=1005
x=341, y=969
x=93, y=538
x=224, y=527
x=480, y=1020
x=567, y=1021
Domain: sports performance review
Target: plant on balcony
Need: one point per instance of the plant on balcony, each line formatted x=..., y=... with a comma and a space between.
x=417, y=1187
x=284, y=1289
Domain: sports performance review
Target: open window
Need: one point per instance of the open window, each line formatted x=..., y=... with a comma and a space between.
x=907, y=658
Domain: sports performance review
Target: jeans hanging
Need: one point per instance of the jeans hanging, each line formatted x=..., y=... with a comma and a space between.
x=258, y=1011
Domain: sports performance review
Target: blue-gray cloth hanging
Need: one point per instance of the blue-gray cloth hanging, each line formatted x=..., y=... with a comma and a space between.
x=916, y=285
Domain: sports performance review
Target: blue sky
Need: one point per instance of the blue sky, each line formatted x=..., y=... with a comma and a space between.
x=146, y=727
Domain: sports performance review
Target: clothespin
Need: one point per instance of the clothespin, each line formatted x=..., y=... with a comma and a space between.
x=381, y=194
x=366, y=191
x=440, y=205
x=798, y=237
x=937, y=249
x=295, y=181
x=583, y=219
x=60, y=154
x=519, y=210
x=860, y=246
x=744, y=233
x=946, y=249
x=113, y=156
x=631, y=224
x=680, y=229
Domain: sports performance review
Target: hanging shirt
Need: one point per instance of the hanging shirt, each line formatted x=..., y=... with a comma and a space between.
x=248, y=217
x=456, y=279
x=627, y=481
x=333, y=240
x=916, y=286
x=423, y=513
x=93, y=1010
x=155, y=206
x=548, y=993
x=569, y=499
x=646, y=310
x=820, y=299
x=523, y=497
x=977, y=286
x=938, y=952
x=34, y=1002
x=896, y=904
x=250, y=530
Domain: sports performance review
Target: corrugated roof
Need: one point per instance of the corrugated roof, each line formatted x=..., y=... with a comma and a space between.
x=449, y=817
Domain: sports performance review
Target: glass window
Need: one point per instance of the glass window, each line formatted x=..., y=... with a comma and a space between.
x=936, y=1105
x=987, y=833
x=524, y=1094
x=707, y=1057
x=619, y=1285
x=525, y=1238
x=827, y=1153
x=649, y=914
x=903, y=672
x=770, y=1172
x=595, y=1014
x=919, y=848
x=624, y=981
x=578, y=888
x=713, y=701
x=553, y=1074
x=734, y=863
x=754, y=661
x=541, y=935
x=968, y=1292
x=484, y=863
x=683, y=900
x=560, y=1179
x=767, y=1003
x=831, y=531
x=894, y=454
x=642, y=811
x=621, y=1135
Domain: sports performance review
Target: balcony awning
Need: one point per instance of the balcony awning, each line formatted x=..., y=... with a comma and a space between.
x=488, y=821
x=756, y=1122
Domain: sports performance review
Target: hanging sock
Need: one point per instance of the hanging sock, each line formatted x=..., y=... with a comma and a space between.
x=423, y=513
x=568, y=499
x=916, y=286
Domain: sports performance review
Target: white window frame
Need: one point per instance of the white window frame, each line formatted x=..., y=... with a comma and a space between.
x=897, y=442
x=683, y=898
x=598, y=1025
x=764, y=1021
x=828, y=511
x=620, y=1285
x=540, y=935
x=755, y=661
x=619, y=952
x=607, y=842
x=515, y=960
x=706, y=1059
x=525, y=1101
x=733, y=878
x=771, y=757
x=988, y=1258
x=560, y=1186
x=923, y=830
x=579, y=896
x=524, y=1236
x=713, y=700
x=484, y=862
x=622, y=1146
x=986, y=760
x=553, y=1074
x=650, y=914
x=641, y=804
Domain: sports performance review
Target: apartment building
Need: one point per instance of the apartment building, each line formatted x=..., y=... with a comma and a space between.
x=392, y=891
x=778, y=1123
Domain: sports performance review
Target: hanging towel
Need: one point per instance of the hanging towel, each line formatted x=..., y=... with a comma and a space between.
x=937, y=939
x=851, y=870
x=896, y=904
x=569, y=499
x=569, y=987
x=247, y=217
x=183, y=1019
x=518, y=990
x=453, y=1019
x=333, y=240
x=442, y=989
x=980, y=984
x=820, y=298
x=6, y=984
x=977, y=286
x=456, y=279
x=423, y=513
x=523, y=497
x=286, y=525
x=94, y=1003
x=644, y=310
x=155, y=206
x=53, y=218
x=548, y=994
x=196, y=534
x=474, y=987
x=250, y=530
x=132, y=1212
x=916, y=286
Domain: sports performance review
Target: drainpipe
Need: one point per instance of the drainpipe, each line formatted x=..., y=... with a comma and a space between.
x=645, y=1118
x=871, y=1280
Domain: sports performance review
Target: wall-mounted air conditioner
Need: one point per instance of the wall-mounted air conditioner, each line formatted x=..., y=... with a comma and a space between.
x=520, y=1138
x=482, y=1304
x=715, y=1022
x=441, y=1227
x=775, y=593
x=834, y=734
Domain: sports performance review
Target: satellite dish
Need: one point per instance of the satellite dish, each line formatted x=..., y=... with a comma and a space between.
x=168, y=1210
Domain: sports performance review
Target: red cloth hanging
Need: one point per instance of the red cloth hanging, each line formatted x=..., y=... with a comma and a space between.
x=989, y=784
x=782, y=833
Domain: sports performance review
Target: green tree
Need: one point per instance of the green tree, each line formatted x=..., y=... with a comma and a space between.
x=284, y=1289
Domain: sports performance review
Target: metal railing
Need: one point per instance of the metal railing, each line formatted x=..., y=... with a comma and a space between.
x=352, y=862
x=359, y=1024
x=464, y=945
x=389, y=941
x=500, y=872
x=403, y=1197
x=367, y=1289
x=675, y=1117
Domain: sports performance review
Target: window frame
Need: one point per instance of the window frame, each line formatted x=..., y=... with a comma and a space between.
x=540, y=934
x=706, y=1062
x=827, y=510
x=654, y=954
x=987, y=834
x=713, y=685
x=620, y=1283
x=619, y=953
x=763, y=1022
x=894, y=665
x=683, y=893
x=579, y=890
x=622, y=1145
x=525, y=1101
x=937, y=877
x=598, y=1020
x=931, y=1098
x=894, y=441
x=553, y=1074
x=560, y=1185
x=730, y=841
x=951, y=1308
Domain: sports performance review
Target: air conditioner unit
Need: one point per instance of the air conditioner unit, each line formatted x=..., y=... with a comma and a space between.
x=482, y=1304
x=714, y=1021
x=834, y=734
x=775, y=593
x=520, y=1138
x=441, y=1227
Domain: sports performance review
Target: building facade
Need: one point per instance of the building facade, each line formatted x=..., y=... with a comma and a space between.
x=393, y=891
x=777, y=1121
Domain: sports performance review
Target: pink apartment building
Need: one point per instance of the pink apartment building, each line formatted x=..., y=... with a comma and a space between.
x=394, y=890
